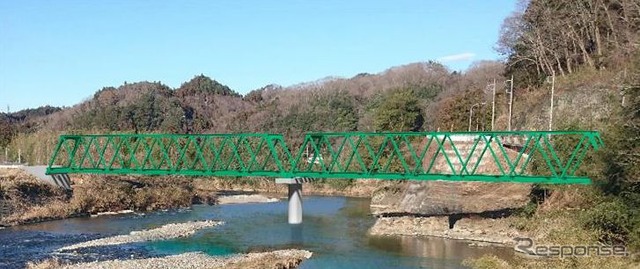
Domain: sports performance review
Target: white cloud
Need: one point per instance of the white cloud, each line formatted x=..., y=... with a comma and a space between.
x=457, y=57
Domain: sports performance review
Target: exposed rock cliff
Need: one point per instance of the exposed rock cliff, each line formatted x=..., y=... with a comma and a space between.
x=436, y=198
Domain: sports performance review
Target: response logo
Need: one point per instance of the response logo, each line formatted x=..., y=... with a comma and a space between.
x=527, y=246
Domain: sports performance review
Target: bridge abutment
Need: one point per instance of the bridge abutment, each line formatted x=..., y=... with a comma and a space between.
x=295, y=197
x=39, y=171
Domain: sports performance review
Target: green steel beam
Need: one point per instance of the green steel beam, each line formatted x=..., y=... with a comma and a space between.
x=453, y=156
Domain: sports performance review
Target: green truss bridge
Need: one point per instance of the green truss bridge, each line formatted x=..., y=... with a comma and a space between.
x=525, y=157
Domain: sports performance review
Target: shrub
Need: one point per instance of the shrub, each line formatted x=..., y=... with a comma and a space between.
x=611, y=219
x=334, y=183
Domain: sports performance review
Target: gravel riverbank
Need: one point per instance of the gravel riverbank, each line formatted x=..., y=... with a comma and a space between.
x=285, y=259
x=168, y=231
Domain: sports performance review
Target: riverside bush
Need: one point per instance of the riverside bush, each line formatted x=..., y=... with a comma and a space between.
x=611, y=219
x=33, y=200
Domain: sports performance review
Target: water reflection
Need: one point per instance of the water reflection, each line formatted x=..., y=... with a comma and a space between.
x=439, y=250
x=297, y=237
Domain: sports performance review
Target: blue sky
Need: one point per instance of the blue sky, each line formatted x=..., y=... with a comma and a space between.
x=61, y=52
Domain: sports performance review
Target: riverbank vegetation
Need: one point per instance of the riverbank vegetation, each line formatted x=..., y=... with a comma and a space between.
x=31, y=200
x=595, y=62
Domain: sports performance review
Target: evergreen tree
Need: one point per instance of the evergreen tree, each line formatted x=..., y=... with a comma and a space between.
x=399, y=111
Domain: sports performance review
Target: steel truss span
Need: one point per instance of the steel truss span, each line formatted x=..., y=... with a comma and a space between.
x=525, y=157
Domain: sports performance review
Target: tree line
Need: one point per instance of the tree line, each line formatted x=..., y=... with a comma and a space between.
x=414, y=97
x=546, y=37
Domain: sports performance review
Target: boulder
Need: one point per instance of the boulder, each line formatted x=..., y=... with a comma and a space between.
x=437, y=198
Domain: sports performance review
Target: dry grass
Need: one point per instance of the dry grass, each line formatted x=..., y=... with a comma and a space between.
x=100, y=194
x=52, y=263
x=51, y=211
x=491, y=262
x=569, y=197
x=33, y=200
x=555, y=226
x=27, y=197
x=21, y=190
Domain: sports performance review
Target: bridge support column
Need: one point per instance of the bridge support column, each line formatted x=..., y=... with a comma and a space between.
x=295, y=197
x=295, y=203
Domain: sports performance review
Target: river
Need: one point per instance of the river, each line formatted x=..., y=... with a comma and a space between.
x=334, y=229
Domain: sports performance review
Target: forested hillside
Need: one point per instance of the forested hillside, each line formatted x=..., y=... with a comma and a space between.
x=589, y=50
x=419, y=96
x=543, y=37
x=23, y=121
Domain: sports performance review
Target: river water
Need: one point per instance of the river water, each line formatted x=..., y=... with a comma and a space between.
x=334, y=229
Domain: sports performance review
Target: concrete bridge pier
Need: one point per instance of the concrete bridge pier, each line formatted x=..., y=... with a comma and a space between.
x=295, y=197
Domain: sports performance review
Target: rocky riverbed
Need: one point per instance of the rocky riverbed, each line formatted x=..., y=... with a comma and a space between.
x=285, y=259
x=289, y=258
x=173, y=230
x=474, y=211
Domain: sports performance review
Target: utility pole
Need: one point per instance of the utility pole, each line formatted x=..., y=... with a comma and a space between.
x=553, y=84
x=510, y=92
x=471, y=114
x=493, y=104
